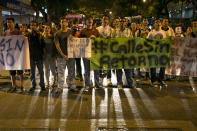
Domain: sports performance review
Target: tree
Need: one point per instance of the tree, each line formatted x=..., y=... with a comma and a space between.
x=97, y=8
x=194, y=3
x=38, y=6
x=55, y=8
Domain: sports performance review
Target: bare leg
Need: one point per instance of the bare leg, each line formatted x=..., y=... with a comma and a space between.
x=13, y=79
x=21, y=80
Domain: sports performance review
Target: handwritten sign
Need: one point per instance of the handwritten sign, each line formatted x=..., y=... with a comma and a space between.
x=184, y=57
x=79, y=47
x=14, y=53
x=128, y=53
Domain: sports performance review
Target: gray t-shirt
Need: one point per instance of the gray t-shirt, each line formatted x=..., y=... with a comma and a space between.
x=49, y=43
x=62, y=38
x=14, y=32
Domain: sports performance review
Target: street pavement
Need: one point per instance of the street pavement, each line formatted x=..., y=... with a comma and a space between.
x=145, y=108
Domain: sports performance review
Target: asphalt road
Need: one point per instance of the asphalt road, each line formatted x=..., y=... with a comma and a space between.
x=145, y=108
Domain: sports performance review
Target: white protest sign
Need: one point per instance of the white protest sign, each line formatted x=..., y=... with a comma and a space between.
x=184, y=57
x=14, y=53
x=79, y=47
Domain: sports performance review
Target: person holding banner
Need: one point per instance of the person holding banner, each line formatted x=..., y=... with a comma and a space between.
x=62, y=58
x=106, y=31
x=49, y=62
x=169, y=34
x=24, y=31
x=37, y=55
x=115, y=24
x=165, y=27
x=135, y=33
x=124, y=32
x=157, y=34
x=116, y=27
x=9, y=32
x=75, y=33
x=143, y=32
x=89, y=32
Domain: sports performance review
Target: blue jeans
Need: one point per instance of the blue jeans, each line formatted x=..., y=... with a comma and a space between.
x=96, y=77
x=49, y=64
x=87, y=71
x=128, y=77
x=39, y=65
x=133, y=72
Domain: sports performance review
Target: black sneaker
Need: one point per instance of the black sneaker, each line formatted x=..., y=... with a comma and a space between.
x=147, y=76
x=140, y=75
x=53, y=90
x=132, y=87
x=163, y=84
x=58, y=91
x=73, y=89
x=98, y=87
x=32, y=89
x=43, y=89
x=12, y=89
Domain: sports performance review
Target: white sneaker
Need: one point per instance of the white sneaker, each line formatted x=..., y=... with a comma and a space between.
x=153, y=84
x=119, y=87
x=86, y=89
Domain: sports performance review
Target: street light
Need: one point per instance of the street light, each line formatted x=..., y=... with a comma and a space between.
x=144, y=1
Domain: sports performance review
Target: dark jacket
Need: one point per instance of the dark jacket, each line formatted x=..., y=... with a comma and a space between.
x=36, y=46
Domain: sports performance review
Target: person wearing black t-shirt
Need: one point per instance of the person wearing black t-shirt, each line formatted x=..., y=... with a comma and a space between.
x=89, y=32
x=37, y=55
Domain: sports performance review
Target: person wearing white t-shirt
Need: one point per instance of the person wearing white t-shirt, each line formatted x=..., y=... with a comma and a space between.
x=124, y=32
x=169, y=33
x=105, y=31
x=165, y=27
x=157, y=34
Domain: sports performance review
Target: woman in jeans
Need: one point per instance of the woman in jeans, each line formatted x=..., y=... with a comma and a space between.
x=49, y=62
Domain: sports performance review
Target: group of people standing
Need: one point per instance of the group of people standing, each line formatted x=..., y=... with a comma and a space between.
x=48, y=47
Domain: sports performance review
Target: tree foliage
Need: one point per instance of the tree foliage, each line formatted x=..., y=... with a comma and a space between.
x=97, y=8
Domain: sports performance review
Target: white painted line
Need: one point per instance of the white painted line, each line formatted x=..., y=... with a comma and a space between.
x=134, y=108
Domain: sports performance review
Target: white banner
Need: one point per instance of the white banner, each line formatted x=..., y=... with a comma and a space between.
x=184, y=57
x=14, y=53
x=79, y=47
